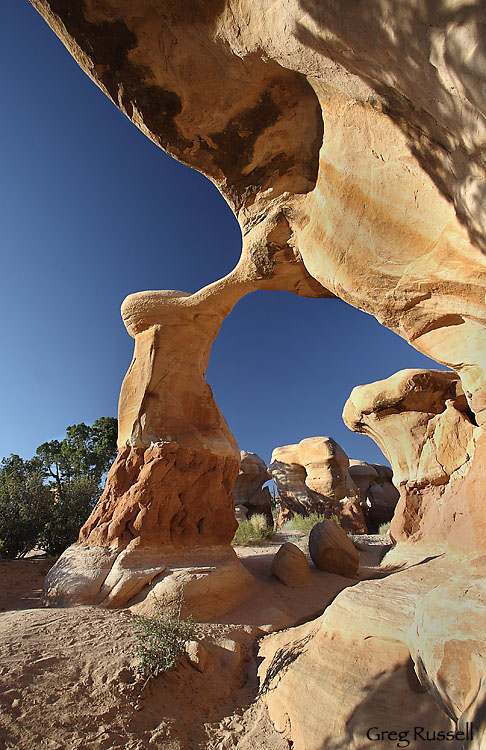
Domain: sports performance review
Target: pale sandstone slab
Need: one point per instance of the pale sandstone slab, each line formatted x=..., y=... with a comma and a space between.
x=356, y=666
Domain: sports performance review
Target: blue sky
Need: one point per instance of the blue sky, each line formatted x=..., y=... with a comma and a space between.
x=92, y=211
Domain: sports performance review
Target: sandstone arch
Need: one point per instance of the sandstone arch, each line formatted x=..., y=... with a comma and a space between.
x=354, y=167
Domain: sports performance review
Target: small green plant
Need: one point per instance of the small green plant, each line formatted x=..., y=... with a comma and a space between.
x=254, y=530
x=162, y=636
x=384, y=527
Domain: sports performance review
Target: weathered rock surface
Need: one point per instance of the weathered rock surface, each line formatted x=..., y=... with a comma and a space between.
x=247, y=489
x=290, y=566
x=421, y=421
x=332, y=550
x=348, y=138
x=312, y=477
x=445, y=639
x=356, y=665
x=378, y=494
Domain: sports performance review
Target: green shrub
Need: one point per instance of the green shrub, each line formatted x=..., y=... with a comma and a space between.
x=384, y=527
x=24, y=502
x=67, y=513
x=162, y=636
x=254, y=530
x=302, y=523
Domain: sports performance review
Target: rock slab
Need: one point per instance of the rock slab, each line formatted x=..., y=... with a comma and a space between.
x=290, y=566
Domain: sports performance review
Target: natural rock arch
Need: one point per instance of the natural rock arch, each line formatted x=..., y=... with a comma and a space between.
x=347, y=180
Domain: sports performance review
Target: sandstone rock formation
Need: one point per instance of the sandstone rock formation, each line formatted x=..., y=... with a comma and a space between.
x=443, y=636
x=348, y=138
x=360, y=130
x=241, y=513
x=356, y=664
x=421, y=421
x=312, y=477
x=354, y=167
x=378, y=494
x=290, y=566
x=332, y=550
x=247, y=489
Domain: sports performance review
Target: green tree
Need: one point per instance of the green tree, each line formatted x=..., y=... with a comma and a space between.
x=85, y=452
x=76, y=464
x=24, y=505
x=66, y=514
x=46, y=500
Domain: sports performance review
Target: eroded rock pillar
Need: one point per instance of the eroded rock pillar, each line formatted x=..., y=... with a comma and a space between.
x=168, y=499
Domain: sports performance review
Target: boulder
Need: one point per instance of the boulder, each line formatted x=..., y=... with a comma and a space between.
x=312, y=477
x=332, y=550
x=290, y=566
x=196, y=655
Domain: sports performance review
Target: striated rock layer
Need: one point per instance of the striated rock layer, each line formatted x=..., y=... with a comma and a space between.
x=312, y=477
x=422, y=422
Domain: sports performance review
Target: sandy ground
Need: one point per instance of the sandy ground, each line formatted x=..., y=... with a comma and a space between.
x=68, y=677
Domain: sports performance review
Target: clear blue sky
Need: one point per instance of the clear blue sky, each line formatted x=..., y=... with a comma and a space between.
x=91, y=211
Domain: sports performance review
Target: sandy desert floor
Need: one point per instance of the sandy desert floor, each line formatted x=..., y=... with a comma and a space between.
x=68, y=677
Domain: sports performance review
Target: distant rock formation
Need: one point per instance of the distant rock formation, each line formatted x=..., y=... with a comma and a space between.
x=379, y=496
x=422, y=422
x=312, y=477
x=247, y=489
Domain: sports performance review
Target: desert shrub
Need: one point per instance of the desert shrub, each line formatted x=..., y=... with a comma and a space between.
x=67, y=512
x=302, y=523
x=254, y=530
x=162, y=636
x=384, y=527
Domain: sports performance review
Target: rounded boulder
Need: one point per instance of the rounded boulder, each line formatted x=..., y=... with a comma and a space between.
x=332, y=550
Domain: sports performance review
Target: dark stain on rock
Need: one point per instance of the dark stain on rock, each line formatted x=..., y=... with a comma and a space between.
x=201, y=11
x=108, y=44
